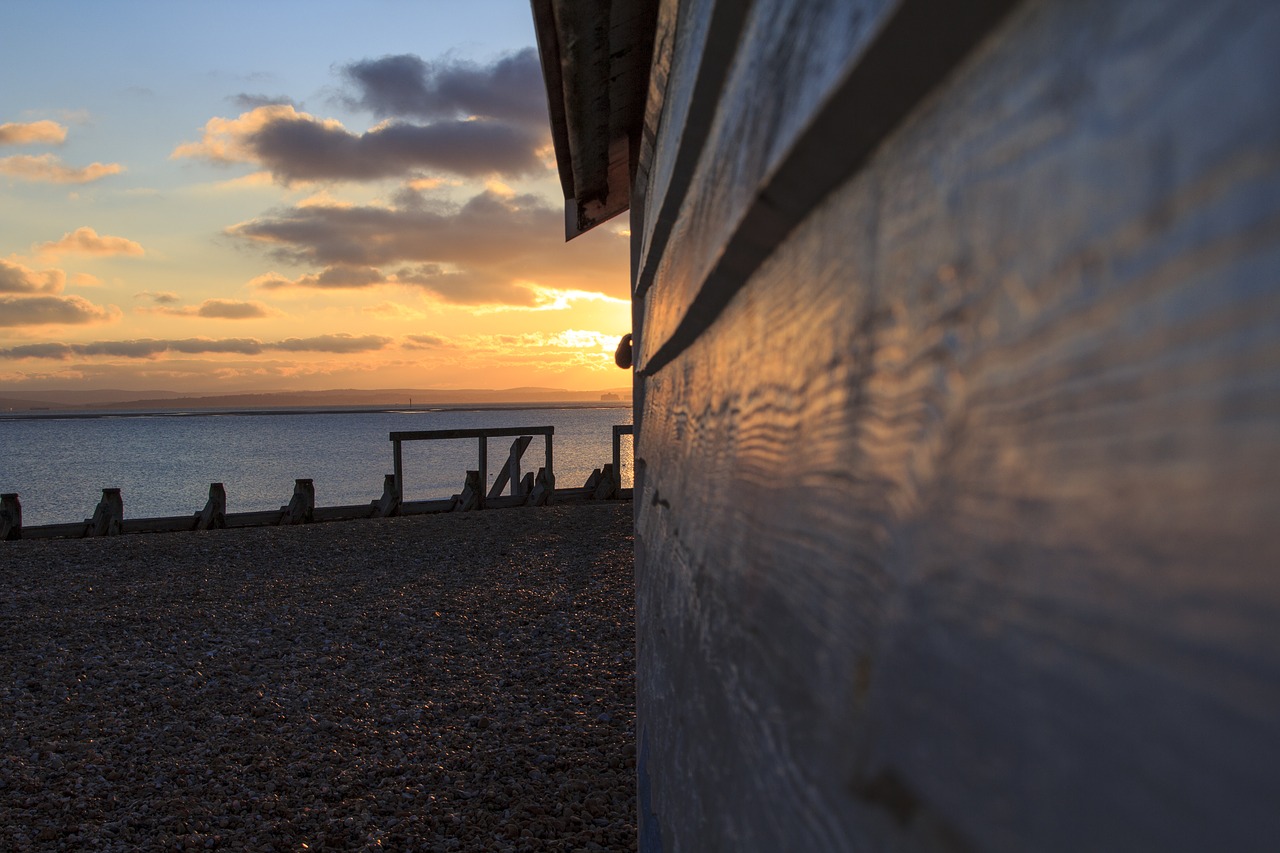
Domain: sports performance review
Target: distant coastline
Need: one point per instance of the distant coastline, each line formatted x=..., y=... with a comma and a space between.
x=101, y=404
x=178, y=412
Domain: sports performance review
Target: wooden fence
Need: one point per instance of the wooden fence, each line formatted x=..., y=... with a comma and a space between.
x=522, y=489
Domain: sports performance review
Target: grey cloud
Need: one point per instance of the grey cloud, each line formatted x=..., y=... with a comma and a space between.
x=486, y=229
x=472, y=253
x=247, y=101
x=509, y=89
x=54, y=351
x=150, y=347
x=341, y=343
x=163, y=297
x=424, y=342
x=298, y=148
x=50, y=310
x=15, y=278
x=226, y=309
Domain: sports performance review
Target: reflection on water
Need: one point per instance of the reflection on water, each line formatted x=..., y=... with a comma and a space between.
x=164, y=463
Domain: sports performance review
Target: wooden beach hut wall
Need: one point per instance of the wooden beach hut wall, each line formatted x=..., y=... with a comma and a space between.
x=957, y=383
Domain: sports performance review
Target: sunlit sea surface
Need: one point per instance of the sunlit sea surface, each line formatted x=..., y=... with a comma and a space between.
x=164, y=461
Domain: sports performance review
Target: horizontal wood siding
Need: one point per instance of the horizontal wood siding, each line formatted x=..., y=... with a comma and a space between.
x=956, y=529
x=789, y=56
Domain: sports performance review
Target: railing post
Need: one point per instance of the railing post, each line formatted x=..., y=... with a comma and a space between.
x=484, y=471
x=398, y=461
x=10, y=517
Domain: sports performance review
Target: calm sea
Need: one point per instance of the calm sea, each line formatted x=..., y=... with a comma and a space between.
x=164, y=462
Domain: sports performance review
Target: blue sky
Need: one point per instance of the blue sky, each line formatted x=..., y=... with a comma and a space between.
x=200, y=140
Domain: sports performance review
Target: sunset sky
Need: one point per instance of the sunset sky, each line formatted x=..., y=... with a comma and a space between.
x=290, y=195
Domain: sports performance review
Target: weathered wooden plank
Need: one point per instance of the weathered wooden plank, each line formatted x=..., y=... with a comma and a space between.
x=348, y=512
x=70, y=530
x=159, y=524
x=258, y=518
x=430, y=434
x=805, y=104
x=954, y=527
x=425, y=507
x=510, y=471
x=691, y=65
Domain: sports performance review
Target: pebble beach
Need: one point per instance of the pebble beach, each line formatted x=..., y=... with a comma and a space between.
x=448, y=682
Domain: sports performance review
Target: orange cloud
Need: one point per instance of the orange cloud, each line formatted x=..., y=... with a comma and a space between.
x=86, y=241
x=31, y=133
x=52, y=310
x=46, y=168
x=15, y=278
x=148, y=348
x=218, y=309
x=160, y=297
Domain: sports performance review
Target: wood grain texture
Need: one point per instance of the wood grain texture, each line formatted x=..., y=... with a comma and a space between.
x=788, y=58
x=957, y=528
x=694, y=61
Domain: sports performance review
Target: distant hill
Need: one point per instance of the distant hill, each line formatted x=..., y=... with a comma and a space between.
x=8, y=403
x=92, y=396
x=104, y=399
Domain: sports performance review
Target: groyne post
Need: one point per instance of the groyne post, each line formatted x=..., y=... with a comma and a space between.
x=544, y=489
x=108, y=516
x=302, y=506
x=389, y=504
x=472, y=492
x=214, y=514
x=10, y=517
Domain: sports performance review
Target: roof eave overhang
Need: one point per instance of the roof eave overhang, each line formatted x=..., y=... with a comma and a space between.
x=595, y=63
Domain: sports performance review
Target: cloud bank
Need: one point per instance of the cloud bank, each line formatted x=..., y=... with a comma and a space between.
x=217, y=309
x=51, y=310
x=148, y=348
x=490, y=250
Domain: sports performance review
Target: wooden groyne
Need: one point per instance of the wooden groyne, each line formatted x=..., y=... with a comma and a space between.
x=511, y=487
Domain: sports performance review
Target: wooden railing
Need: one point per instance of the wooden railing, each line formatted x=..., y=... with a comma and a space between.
x=473, y=494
